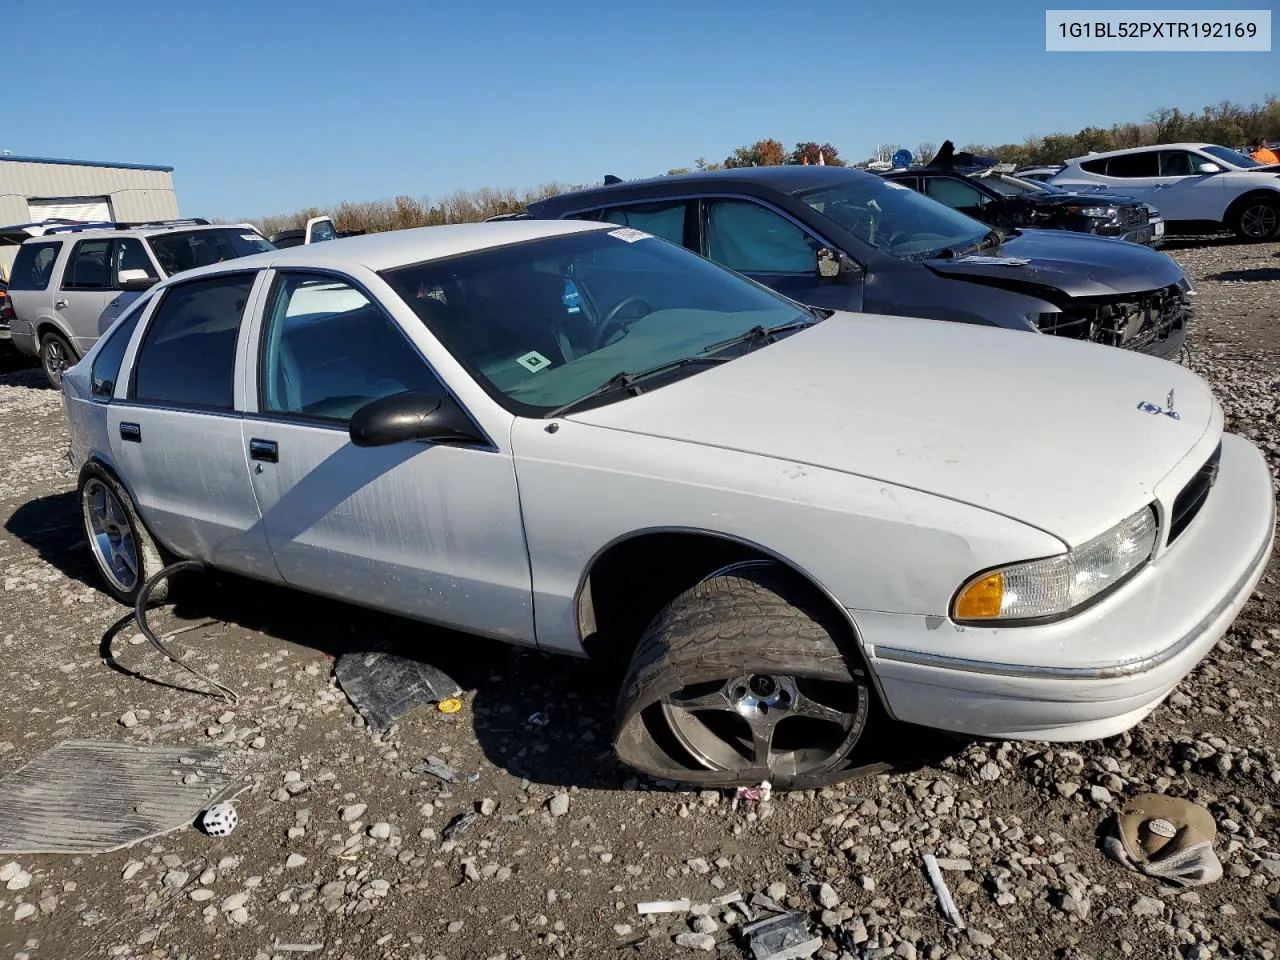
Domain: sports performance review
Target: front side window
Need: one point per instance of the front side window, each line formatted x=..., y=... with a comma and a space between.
x=894, y=219
x=188, y=354
x=751, y=238
x=327, y=351
x=1134, y=165
x=665, y=220
x=188, y=249
x=33, y=266
x=642, y=303
x=955, y=194
x=89, y=267
x=107, y=361
x=131, y=262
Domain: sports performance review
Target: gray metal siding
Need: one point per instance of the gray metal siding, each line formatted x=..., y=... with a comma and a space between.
x=134, y=194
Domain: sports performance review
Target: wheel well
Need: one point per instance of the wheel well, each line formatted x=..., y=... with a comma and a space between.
x=1233, y=209
x=48, y=326
x=631, y=580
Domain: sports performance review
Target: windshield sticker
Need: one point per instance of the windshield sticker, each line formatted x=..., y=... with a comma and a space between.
x=629, y=234
x=533, y=361
x=994, y=261
x=895, y=186
x=251, y=237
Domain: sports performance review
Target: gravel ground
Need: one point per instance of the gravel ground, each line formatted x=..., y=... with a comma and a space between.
x=545, y=846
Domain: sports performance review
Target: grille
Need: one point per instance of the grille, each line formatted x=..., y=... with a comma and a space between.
x=1193, y=496
x=1133, y=321
x=1132, y=216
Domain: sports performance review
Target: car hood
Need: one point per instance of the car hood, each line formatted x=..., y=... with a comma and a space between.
x=1076, y=264
x=1048, y=432
x=1087, y=197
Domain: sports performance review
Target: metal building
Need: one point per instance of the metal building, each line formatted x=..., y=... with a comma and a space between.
x=39, y=188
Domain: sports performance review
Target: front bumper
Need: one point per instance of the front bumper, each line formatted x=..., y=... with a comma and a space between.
x=1101, y=672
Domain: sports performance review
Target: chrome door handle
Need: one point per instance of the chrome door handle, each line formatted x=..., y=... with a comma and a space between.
x=60, y=303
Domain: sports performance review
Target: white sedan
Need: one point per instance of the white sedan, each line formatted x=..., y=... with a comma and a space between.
x=790, y=523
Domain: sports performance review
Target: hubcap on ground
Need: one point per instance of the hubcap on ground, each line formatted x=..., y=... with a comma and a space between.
x=110, y=535
x=55, y=360
x=788, y=725
x=1259, y=220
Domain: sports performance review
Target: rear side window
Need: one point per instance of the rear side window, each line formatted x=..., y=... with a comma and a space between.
x=188, y=355
x=33, y=266
x=106, y=363
x=89, y=267
x=1134, y=165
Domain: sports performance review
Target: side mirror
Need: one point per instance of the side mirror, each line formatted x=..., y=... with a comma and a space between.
x=412, y=415
x=835, y=266
x=1208, y=168
x=135, y=280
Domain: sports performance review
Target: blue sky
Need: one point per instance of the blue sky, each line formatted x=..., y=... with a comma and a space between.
x=266, y=106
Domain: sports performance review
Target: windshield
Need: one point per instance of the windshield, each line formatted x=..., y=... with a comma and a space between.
x=1011, y=186
x=895, y=219
x=187, y=249
x=1232, y=157
x=543, y=323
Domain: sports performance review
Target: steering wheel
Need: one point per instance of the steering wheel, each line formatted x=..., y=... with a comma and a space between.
x=611, y=319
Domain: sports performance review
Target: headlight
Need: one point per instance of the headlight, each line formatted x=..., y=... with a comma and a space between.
x=1104, y=213
x=1059, y=585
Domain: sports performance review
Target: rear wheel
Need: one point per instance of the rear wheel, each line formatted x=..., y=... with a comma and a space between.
x=56, y=356
x=740, y=679
x=1257, y=220
x=123, y=551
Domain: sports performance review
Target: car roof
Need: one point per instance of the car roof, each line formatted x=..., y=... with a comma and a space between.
x=396, y=248
x=786, y=178
x=1154, y=146
x=96, y=233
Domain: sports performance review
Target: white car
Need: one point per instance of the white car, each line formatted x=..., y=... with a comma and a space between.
x=1189, y=183
x=585, y=438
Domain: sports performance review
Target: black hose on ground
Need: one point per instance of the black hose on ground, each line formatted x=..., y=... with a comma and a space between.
x=140, y=616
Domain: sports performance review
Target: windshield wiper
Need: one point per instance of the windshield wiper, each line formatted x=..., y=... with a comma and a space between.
x=630, y=381
x=989, y=239
x=763, y=333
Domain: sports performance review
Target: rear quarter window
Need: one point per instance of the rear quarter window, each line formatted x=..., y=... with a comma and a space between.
x=33, y=266
x=1094, y=166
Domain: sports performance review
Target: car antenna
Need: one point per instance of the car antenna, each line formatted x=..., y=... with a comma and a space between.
x=610, y=179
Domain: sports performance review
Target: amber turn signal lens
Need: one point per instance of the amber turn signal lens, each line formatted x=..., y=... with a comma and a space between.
x=982, y=599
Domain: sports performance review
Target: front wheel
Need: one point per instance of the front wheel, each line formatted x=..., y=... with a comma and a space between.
x=740, y=679
x=1257, y=220
x=56, y=356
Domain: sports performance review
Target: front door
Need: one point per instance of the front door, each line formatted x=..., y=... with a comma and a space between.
x=774, y=250
x=430, y=531
x=1182, y=192
x=177, y=428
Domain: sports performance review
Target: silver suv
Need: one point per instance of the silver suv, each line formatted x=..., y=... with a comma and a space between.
x=68, y=285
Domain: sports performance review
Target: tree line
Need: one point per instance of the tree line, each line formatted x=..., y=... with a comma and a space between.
x=1226, y=123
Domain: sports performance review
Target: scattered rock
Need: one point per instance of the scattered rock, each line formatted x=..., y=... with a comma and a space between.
x=696, y=941
x=352, y=812
x=558, y=806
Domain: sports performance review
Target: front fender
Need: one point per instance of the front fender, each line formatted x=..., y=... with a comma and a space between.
x=867, y=544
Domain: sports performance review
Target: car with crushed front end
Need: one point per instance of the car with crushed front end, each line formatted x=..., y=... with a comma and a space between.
x=795, y=525
x=850, y=240
x=1002, y=200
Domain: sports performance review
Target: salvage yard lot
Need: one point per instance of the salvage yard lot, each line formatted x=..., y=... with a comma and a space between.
x=341, y=846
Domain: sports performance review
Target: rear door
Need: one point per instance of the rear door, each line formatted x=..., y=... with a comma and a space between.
x=1134, y=175
x=87, y=287
x=31, y=289
x=175, y=425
